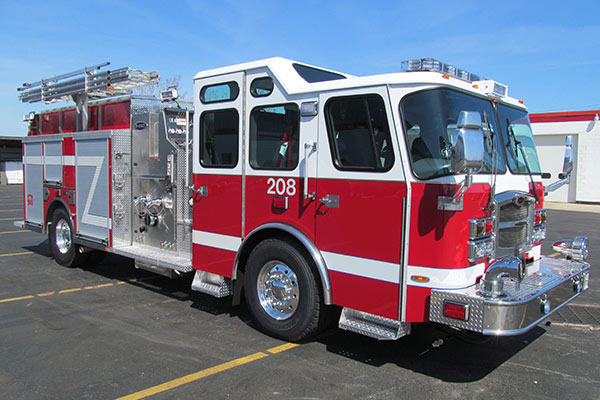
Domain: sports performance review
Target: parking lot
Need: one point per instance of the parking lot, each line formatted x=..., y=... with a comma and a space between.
x=108, y=331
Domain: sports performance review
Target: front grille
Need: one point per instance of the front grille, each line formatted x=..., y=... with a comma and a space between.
x=513, y=236
x=515, y=213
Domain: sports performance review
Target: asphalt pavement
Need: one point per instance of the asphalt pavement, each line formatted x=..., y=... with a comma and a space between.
x=110, y=331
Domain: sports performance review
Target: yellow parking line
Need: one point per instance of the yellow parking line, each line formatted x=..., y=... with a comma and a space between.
x=16, y=299
x=70, y=290
x=19, y=231
x=8, y=219
x=64, y=290
x=16, y=254
x=554, y=255
x=194, y=377
x=283, y=347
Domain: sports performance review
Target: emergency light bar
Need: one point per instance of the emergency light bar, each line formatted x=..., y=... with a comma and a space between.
x=489, y=87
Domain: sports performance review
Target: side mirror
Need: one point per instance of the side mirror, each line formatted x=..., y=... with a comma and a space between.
x=467, y=150
x=568, y=161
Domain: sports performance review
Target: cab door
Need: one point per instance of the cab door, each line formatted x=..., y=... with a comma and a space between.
x=280, y=167
x=361, y=194
x=217, y=199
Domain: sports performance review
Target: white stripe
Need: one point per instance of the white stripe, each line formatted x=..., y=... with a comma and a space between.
x=224, y=242
x=95, y=220
x=445, y=278
x=32, y=160
x=368, y=268
x=53, y=160
x=68, y=160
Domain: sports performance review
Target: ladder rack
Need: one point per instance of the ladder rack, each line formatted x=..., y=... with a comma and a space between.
x=88, y=82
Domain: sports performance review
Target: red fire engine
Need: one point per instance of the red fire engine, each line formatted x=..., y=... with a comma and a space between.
x=398, y=199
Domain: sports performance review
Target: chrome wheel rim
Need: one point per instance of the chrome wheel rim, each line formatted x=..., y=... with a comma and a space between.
x=278, y=291
x=63, y=236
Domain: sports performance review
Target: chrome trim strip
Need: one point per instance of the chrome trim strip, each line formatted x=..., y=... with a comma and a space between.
x=306, y=242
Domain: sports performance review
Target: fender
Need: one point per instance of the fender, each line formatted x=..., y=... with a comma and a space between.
x=53, y=206
x=306, y=242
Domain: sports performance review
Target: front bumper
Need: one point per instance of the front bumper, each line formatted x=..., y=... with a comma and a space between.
x=549, y=284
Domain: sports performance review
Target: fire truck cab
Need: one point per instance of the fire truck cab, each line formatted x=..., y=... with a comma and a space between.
x=400, y=198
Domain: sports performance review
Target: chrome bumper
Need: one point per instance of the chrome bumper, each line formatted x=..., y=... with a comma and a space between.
x=549, y=284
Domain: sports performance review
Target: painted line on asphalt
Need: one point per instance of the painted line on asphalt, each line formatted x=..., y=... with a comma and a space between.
x=78, y=289
x=9, y=219
x=554, y=255
x=16, y=299
x=16, y=254
x=11, y=232
x=206, y=372
x=13, y=209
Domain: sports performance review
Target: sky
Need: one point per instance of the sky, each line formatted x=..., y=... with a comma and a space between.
x=547, y=52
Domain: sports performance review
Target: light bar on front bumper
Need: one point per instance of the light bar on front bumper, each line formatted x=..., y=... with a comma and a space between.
x=549, y=284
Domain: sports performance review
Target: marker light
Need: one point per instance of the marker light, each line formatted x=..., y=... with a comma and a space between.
x=456, y=310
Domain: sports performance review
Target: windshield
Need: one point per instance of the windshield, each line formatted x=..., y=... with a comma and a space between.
x=429, y=123
x=518, y=140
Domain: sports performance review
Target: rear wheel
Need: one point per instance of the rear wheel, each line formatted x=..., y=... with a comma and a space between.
x=60, y=237
x=282, y=291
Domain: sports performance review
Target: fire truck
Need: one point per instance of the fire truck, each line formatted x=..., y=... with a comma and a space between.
x=377, y=202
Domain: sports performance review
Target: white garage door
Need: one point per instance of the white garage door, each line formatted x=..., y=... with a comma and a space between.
x=551, y=151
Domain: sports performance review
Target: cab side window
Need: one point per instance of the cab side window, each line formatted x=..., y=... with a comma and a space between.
x=274, y=134
x=219, y=132
x=359, y=135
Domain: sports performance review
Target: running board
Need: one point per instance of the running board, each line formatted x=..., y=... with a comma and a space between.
x=213, y=284
x=372, y=325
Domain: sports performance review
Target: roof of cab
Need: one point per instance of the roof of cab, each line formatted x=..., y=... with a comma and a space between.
x=283, y=71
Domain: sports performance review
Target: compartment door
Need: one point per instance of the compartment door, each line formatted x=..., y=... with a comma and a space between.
x=93, y=189
x=34, y=198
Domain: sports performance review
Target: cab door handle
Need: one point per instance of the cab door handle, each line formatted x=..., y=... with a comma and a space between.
x=330, y=201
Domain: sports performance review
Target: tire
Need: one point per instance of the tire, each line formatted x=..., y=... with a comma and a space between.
x=282, y=292
x=60, y=238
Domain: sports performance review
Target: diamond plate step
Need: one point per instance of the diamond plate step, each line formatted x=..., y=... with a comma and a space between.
x=215, y=285
x=372, y=325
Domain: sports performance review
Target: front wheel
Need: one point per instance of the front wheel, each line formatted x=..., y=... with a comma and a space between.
x=60, y=237
x=282, y=291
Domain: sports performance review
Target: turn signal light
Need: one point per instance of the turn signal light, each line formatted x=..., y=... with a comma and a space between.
x=456, y=310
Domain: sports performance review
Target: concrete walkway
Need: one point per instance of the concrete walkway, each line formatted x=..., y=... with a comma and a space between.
x=578, y=207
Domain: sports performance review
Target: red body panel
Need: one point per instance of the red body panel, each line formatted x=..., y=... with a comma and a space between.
x=116, y=115
x=93, y=118
x=69, y=121
x=440, y=239
x=417, y=304
x=367, y=224
x=364, y=294
x=50, y=122
x=213, y=260
x=539, y=187
x=261, y=207
x=219, y=212
x=68, y=149
x=368, y=221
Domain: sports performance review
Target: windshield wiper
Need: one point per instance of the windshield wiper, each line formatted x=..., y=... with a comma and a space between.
x=519, y=145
